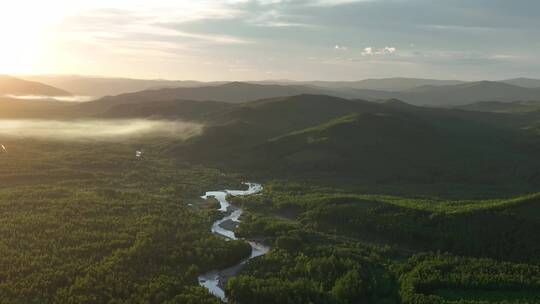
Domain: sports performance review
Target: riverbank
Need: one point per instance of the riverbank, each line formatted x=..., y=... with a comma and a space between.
x=216, y=280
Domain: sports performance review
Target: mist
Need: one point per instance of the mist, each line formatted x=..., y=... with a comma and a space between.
x=52, y=98
x=111, y=129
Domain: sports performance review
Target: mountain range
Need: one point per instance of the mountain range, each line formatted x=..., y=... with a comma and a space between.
x=502, y=107
x=237, y=92
x=368, y=88
x=162, y=101
x=312, y=131
x=370, y=143
x=396, y=84
x=98, y=86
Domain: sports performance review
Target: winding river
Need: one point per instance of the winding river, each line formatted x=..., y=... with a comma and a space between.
x=213, y=280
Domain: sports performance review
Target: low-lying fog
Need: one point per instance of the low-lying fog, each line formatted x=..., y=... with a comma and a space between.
x=111, y=129
x=54, y=98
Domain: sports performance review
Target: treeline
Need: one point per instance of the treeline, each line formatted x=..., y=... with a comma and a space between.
x=310, y=226
x=335, y=272
x=450, y=226
x=306, y=265
x=442, y=278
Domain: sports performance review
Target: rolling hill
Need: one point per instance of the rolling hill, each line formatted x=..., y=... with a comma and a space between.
x=15, y=86
x=395, y=84
x=233, y=92
x=174, y=109
x=107, y=86
x=431, y=92
x=16, y=109
x=238, y=92
x=503, y=107
x=388, y=84
x=371, y=143
x=467, y=93
x=523, y=82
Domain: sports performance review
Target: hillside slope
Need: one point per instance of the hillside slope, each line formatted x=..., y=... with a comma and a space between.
x=503, y=107
x=371, y=144
x=174, y=109
x=394, y=84
x=234, y=92
x=248, y=125
x=15, y=86
x=107, y=86
x=524, y=82
x=14, y=108
x=467, y=93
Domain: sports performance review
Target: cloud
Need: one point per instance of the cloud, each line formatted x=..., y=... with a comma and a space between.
x=389, y=50
x=122, y=24
x=370, y=51
x=367, y=51
x=177, y=38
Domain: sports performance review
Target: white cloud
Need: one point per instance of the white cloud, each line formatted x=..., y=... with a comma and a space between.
x=370, y=51
x=367, y=51
x=338, y=47
x=137, y=33
x=389, y=50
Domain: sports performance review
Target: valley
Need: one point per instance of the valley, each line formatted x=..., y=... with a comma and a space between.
x=270, y=152
x=363, y=201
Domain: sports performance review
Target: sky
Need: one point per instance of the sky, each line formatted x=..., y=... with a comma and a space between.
x=272, y=39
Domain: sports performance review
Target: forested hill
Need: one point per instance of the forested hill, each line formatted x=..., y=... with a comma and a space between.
x=234, y=92
x=376, y=144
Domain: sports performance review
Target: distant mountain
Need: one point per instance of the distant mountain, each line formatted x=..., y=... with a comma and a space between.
x=434, y=92
x=467, y=93
x=523, y=82
x=106, y=86
x=503, y=107
x=371, y=89
x=234, y=92
x=383, y=84
x=16, y=86
x=239, y=92
x=400, y=84
x=445, y=95
x=415, y=91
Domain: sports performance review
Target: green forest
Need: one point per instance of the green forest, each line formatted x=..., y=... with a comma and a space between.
x=341, y=247
x=270, y=152
x=90, y=223
x=362, y=202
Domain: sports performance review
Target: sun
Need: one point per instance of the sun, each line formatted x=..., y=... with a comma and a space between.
x=21, y=31
x=30, y=28
x=25, y=32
